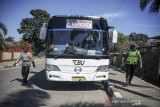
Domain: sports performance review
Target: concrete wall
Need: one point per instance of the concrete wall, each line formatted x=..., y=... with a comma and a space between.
x=8, y=56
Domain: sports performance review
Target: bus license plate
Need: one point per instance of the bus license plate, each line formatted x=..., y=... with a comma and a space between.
x=78, y=78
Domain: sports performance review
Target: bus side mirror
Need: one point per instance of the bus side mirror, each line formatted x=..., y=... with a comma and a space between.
x=43, y=32
x=114, y=36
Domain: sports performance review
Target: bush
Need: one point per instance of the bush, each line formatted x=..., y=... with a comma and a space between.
x=18, y=46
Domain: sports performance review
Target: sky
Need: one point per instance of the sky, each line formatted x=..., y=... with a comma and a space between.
x=125, y=15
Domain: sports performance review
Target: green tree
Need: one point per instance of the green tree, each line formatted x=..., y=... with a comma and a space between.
x=121, y=45
x=154, y=7
x=2, y=35
x=3, y=27
x=30, y=28
x=9, y=39
x=132, y=37
x=140, y=39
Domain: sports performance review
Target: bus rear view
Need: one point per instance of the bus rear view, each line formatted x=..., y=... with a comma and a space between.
x=77, y=49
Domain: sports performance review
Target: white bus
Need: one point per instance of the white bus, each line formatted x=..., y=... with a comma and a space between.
x=77, y=48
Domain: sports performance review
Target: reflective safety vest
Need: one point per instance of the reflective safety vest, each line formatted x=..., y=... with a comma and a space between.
x=132, y=57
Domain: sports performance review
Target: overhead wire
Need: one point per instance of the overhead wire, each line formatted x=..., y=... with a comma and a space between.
x=120, y=5
x=118, y=8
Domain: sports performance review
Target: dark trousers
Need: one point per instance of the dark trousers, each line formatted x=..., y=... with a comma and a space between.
x=130, y=70
x=25, y=72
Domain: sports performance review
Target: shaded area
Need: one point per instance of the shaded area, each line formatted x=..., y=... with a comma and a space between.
x=33, y=72
x=17, y=79
x=40, y=80
x=29, y=85
x=112, y=104
x=86, y=105
x=127, y=104
x=138, y=93
x=25, y=98
x=123, y=83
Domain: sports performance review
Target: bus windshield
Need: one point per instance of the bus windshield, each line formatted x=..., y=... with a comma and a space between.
x=83, y=41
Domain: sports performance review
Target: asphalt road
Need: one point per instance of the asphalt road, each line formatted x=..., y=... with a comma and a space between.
x=43, y=93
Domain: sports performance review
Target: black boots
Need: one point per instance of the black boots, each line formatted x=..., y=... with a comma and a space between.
x=24, y=83
x=126, y=85
x=128, y=82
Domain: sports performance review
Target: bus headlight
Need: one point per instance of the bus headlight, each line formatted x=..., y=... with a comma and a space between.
x=52, y=68
x=103, y=68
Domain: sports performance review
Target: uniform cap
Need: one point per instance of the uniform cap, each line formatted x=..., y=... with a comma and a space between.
x=132, y=44
x=26, y=48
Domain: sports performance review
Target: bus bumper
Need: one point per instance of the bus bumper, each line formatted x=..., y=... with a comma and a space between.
x=59, y=76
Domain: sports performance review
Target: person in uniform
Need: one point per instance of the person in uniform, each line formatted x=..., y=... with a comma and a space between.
x=26, y=58
x=131, y=59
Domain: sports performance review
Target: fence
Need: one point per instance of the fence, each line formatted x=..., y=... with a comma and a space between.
x=151, y=64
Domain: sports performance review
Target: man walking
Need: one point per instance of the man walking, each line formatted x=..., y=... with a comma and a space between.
x=131, y=59
x=26, y=58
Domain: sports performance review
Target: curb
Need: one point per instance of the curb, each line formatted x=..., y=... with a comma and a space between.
x=1, y=67
x=138, y=79
x=147, y=83
x=7, y=66
x=112, y=90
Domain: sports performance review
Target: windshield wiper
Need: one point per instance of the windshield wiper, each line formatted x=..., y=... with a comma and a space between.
x=72, y=50
x=98, y=57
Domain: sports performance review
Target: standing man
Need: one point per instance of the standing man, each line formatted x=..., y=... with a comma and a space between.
x=26, y=58
x=131, y=59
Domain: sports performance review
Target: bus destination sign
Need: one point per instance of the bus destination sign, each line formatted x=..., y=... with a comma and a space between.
x=82, y=24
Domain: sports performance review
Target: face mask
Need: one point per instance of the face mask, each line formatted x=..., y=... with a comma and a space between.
x=132, y=47
x=26, y=50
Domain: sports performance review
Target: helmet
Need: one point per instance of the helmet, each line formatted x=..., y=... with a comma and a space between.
x=26, y=48
x=132, y=46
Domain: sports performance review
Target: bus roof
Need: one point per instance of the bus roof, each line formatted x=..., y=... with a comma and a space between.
x=60, y=21
x=78, y=16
